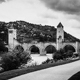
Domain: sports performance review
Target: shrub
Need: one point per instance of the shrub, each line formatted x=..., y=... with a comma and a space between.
x=31, y=64
x=9, y=61
x=59, y=54
x=12, y=60
x=69, y=54
x=61, y=51
x=18, y=49
x=48, y=61
x=75, y=55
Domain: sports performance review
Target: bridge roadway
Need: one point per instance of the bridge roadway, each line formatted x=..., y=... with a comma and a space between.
x=62, y=72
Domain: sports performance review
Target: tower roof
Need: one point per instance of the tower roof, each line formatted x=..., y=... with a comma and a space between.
x=59, y=25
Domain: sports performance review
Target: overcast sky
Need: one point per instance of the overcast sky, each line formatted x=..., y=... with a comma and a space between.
x=45, y=12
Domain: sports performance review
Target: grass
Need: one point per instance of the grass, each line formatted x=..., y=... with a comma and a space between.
x=18, y=72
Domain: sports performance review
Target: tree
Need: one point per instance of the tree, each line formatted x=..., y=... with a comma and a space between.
x=12, y=60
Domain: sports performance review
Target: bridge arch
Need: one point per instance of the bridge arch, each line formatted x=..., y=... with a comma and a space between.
x=34, y=49
x=69, y=47
x=50, y=49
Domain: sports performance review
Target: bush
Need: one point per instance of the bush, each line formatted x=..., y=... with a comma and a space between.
x=18, y=49
x=12, y=60
x=31, y=64
x=61, y=51
x=58, y=55
x=28, y=65
x=75, y=55
x=69, y=54
x=48, y=61
x=9, y=62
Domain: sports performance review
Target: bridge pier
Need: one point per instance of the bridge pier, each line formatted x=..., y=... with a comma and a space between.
x=59, y=46
x=42, y=52
x=77, y=47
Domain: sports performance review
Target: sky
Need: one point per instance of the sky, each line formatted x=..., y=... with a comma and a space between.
x=45, y=12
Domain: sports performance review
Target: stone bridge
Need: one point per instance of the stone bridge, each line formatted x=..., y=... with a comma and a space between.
x=47, y=47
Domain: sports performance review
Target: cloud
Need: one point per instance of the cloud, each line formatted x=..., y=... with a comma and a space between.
x=28, y=10
x=34, y=11
x=49, y=14
x=2, y=1
x=68, y=6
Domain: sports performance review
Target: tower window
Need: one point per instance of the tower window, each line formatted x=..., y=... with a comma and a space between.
x=10, y=31
x=60, y=37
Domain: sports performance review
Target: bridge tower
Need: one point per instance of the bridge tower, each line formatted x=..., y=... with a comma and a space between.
x=11, y=37
x=60, y=36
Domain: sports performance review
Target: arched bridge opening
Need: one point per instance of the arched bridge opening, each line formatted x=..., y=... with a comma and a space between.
x=3, y=40
x=34, y=49
x=50, y=49
x=69, y=48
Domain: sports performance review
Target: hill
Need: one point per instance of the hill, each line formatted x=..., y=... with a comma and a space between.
x=28, y=32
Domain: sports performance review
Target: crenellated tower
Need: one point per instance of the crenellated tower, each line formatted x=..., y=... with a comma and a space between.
x=60, y=36
x=11, y=37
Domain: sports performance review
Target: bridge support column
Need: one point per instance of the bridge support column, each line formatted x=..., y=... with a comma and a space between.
x=59, y=45
x=42, y=52
x=77, y=47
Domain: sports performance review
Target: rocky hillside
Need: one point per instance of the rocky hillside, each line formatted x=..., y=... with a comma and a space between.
x=27, y=32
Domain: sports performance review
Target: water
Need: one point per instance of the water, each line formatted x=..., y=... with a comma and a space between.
x=39, y=59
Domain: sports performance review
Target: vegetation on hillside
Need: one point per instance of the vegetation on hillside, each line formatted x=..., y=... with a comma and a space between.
x=27, y=32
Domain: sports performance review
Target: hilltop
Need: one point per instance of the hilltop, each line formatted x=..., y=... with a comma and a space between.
x=27, y=32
